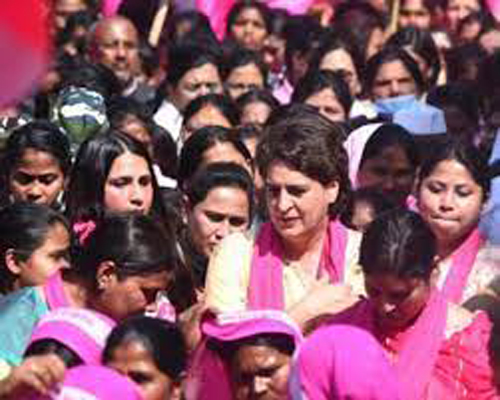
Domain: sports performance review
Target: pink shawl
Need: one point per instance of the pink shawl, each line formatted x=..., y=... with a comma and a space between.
x=462, y=263
x=417, y=347
x=266, y=276
x=342, y=362
x=208, y=375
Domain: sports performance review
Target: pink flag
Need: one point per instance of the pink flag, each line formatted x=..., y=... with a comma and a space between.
x=110, y=7
x=24, y=47
x=494, y=6
x=217, y=11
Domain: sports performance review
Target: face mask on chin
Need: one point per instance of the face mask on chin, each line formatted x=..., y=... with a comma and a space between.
x=392, y=105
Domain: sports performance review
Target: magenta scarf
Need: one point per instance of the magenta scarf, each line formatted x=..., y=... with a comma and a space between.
x=266, y=275
x=462, y=263
x=418, y=345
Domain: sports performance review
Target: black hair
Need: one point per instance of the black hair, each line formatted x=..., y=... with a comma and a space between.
x=164, y=149
x=198, y=24
x=137, y=244
x=257, y=96
x=375, y=198
x=316, y=81
x=389, y=135
x=278, y=22
x=38, y=135
x=81, y=19
x=186, y=56
x=51, y=346
x=165, y=152
x=241, y=5
x=388, y=55
x=220, y=174
x=221, y=102
x=150, y=59
x=141, y=14
x=303, y=35
x=94, y=160
x=461, y=95
x=121, y=107
x=485, y=20
x=95, y=77
x=420, y=42
x=465, y=63
x=163, y=341
x=470, y=157
x=24, y=229
x=355, y=22
x=489, y=81
x=399, y=242
x=198, y=143
x=309, y=143
x=241, y=57
x=329, y=43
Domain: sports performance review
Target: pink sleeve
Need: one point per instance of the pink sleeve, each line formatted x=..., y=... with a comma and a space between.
x=463, y=365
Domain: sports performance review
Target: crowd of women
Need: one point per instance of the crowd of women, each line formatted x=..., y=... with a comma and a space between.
x=306, y=208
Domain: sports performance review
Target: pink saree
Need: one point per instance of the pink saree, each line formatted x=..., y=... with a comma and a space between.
x=266, y=277
x=415, y=350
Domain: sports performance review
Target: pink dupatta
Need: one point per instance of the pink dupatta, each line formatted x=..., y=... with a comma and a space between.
x=418, y=345
x=462, y=263
x=266, y=276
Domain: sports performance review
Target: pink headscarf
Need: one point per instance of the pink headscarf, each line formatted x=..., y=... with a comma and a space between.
x=418, y=346
x=266, y=277
x=208, y=376
x=93, y=383
x=83, y=331
x=342, y=362
x=355, y=146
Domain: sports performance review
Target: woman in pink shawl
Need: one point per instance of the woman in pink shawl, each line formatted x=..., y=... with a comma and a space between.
x=453, y=186
x=301, y=259
x=438, y=350
x=342, y=362
x=243, y=356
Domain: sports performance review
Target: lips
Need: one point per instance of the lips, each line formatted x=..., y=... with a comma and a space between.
x=445, y=220
x=287, y=222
